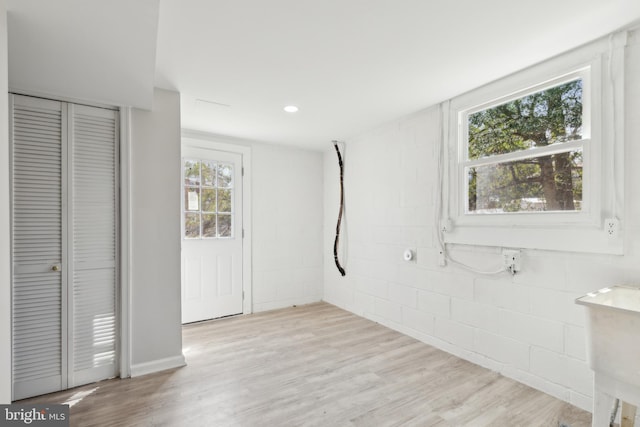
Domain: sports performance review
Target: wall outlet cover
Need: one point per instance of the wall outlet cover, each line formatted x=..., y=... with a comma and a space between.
x=612, y=227
x=511, y=260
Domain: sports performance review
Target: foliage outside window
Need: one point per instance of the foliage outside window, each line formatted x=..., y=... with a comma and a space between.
x=208, y=199
x=526, y=154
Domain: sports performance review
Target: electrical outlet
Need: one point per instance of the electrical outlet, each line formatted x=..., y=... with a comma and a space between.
x=511, y=260
x=612, y=227
x=446, y=226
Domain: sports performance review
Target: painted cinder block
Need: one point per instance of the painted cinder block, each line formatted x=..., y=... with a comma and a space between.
x=448, y=283
x=363, y=304
x=403, y=295
x=532, y=330
x=387, y=310
x=376, y=288
x=503, y=293
x=418, y=320
x=575, y=342
x=454, y=333
x=502, y=349
x=474, y=314
x=580, y=377
x=543, y=270
x=549, y=365
x=433, y=303
x=588, y=274
x=557, y=305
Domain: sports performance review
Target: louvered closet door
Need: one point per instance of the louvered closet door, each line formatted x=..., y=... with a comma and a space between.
x=64, y=245
x=92, y=261
x=39, y=298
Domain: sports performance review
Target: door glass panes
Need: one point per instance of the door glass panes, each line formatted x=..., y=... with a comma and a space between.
x=225, y=175
x=224, y=225
x=191, y=172
x=208, y=173
x=224, y=200
x=191, y=225
x=192, y=199
x=208, y=199
x=208, y=225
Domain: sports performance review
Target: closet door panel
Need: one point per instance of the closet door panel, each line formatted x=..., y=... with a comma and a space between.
x=93, y=225
x=64, y=245
x=39, y=298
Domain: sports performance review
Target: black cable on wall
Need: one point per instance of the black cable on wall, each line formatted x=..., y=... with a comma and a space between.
x=337, y=240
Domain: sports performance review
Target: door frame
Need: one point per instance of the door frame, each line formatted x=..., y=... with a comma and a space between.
x=125, y=217
x=202, y=140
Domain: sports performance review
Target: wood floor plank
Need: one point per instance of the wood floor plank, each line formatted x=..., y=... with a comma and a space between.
x=314, y=365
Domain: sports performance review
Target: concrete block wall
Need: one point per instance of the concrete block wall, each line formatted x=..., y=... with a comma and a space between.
x=525, y=326
x=287, y=197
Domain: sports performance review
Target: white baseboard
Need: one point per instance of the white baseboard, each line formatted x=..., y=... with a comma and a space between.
x=157, y=366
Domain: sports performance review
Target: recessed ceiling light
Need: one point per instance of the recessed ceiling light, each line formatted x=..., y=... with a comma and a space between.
x=291, y=109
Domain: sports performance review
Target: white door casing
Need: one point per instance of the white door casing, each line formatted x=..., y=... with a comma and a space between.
x=212, y=249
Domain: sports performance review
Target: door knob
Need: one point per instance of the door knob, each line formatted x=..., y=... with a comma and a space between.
x=55, y=268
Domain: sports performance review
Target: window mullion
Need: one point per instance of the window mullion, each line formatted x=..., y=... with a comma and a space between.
x=527, y=154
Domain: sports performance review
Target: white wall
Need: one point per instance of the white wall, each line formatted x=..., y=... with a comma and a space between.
x=5, y=228
x=526, y=326
x=287, y=226
x=156, y=341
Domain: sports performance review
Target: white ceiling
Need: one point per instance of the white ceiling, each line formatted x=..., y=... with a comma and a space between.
x=349, y=65
x=352, y=65
x=96, y=50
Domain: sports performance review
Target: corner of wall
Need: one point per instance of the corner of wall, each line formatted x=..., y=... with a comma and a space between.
x=156, y=330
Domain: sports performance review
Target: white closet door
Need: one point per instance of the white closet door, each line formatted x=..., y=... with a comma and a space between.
x=39, y=297
x=93, y=267
x=64, y=245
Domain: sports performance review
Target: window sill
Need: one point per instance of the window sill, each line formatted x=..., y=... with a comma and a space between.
x=576, y=239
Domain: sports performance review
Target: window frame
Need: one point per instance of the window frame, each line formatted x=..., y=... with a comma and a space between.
x=574, y=231
x=586, y=144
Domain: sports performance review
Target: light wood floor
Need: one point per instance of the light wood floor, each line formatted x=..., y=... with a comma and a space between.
x=314, y=365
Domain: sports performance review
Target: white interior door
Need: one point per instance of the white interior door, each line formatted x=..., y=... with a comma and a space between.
x=64, y=245
x=212, y=234
x=92, y=256
x=38, y=246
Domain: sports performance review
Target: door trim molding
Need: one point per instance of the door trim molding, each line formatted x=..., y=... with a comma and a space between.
x=125, y=242
x=203, y=140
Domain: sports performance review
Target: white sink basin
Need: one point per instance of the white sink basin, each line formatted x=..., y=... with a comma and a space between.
x=613, y=332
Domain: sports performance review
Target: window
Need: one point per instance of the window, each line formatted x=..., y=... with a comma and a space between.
x=208, y=199
x=535, y=160
x=526, y=154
